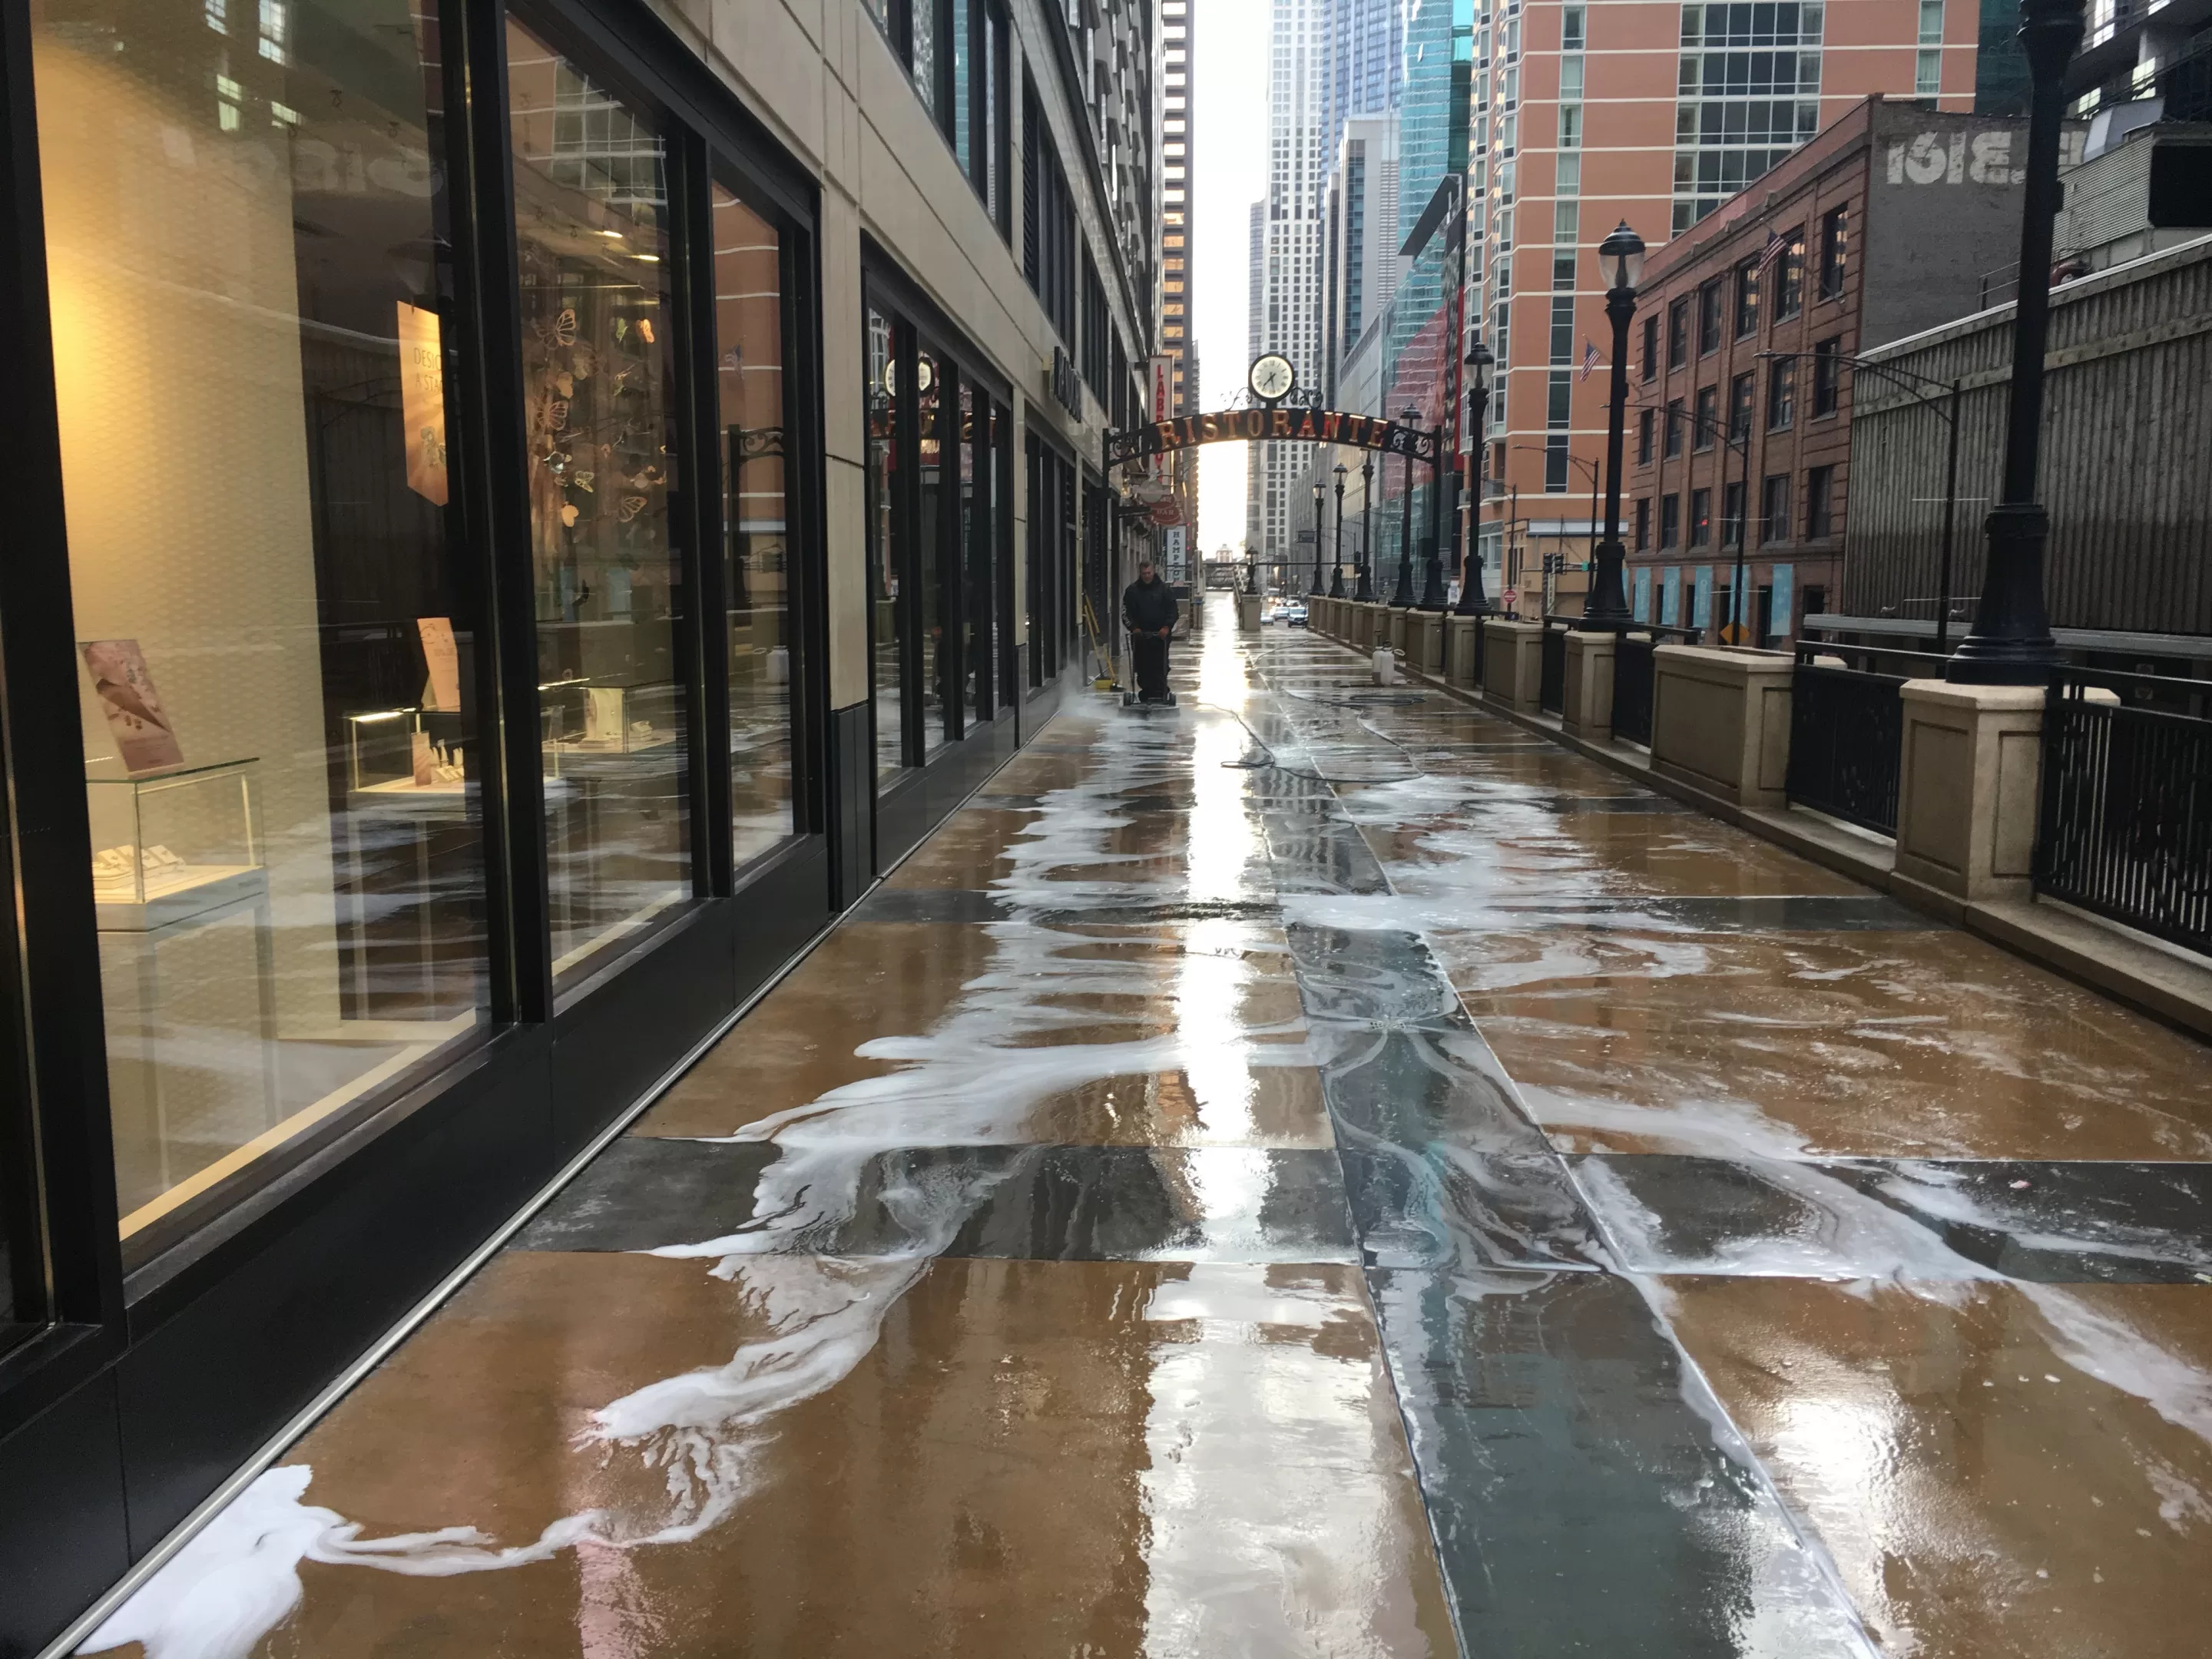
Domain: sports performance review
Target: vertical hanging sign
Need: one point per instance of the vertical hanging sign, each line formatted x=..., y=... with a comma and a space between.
x=1164, y=388
x=422, y=401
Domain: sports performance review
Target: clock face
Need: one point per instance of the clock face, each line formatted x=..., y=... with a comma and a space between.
x=1273, y=377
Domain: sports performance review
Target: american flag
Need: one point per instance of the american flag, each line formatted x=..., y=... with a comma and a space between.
x=1589, y=357
x=1776, y=247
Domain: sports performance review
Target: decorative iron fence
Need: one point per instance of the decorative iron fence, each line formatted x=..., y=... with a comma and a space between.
x=1551, y=682
x=2125, y=827
x=1847, y=742
x=1632, y=687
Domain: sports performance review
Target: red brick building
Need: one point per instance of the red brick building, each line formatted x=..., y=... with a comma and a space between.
x=1740, y=355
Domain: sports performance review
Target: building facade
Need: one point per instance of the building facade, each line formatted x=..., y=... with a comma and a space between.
x=1286, y=286
x=536, y=507
x=1741, y=370
x=1653, y=112
x=2129, y=392
x=1178, y=232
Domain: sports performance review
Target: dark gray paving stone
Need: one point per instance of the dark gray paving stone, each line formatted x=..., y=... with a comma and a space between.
x=1035, y=1203
x=2046, y=1223
x=1377, y=976
x=927, y=904
x=1804, y=914
x=1583, y=1500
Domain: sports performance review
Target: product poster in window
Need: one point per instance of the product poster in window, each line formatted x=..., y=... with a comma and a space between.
x=422, y=401
x=136, y=720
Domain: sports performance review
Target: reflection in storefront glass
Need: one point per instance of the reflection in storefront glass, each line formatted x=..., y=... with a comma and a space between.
x=243, y=214
x=929, y=536
x=749, y=392
x=887, y=624
x=598, y=328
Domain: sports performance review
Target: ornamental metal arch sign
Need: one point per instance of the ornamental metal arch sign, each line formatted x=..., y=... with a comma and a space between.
x=1312, y=426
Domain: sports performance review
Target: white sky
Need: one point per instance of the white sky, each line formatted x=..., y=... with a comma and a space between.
x=1228, y=152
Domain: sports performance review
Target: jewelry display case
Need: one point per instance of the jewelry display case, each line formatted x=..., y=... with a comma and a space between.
x=590, y=717
x=173, y=844
x=404, y=752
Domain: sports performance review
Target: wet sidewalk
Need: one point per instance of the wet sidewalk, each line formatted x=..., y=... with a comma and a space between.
x=1320, y=1171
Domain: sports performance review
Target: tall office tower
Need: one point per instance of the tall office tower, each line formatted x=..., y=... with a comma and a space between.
x=1363, y=263
x=1178, y=227
x=1256, y=303
x=1287, y=303
x=1654, y=112
x=1366, y=64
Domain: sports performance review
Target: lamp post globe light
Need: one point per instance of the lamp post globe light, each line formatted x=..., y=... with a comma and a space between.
x=1621, y=261
x=1336, y=572
x=1473, y=601
x=2010, y=643
x=1315, y=590
x=1364, y=593
x=1401, y=596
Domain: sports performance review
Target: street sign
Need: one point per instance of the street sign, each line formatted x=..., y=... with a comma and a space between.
x=1735, y=633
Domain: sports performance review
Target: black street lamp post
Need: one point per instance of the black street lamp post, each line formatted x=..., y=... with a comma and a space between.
x=1620, y=257
x=1365, y=592
x=2010, y=643
x=1336, y=573
x=1473, y=601
x=1432, y=540
x=1402, y=597
x=1315, y=591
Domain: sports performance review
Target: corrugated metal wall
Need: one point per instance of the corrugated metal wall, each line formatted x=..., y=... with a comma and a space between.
x=2127, y=455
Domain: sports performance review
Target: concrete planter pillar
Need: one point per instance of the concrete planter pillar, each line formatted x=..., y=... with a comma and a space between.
x=1459, y=640
x=1425, y=641
x=1513, y=664
x=1720, y=722
x=1399, y=620
x=1967, y=788
x=1248, y=613
x=1586, y=703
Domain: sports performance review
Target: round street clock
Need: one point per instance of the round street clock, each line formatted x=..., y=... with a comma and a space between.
x=1272, y=377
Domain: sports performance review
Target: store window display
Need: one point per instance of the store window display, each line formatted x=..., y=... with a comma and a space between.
x=887, y=598
x=935, y=426
x=749, y=358
x=598, y=339
x=244, y=223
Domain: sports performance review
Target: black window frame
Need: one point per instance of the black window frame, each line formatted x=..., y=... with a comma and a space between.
x=435, y=1160
x=1820, y=502
x=1828, y=376
x=1706, y=422
x=1774, y=519
x=1782, y=394
x=1711, y=326
x=1670, y=520
x=1678, y=333
x=1747, y=298
x=1835, y=250
x=1701, y=517
x=1651, y=347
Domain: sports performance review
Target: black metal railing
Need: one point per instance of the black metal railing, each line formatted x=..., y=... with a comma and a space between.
x=1551, y=679
x=1846, y=738
x=2125, y=825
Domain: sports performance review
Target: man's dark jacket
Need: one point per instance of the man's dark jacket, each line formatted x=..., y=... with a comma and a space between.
x=1149, y=606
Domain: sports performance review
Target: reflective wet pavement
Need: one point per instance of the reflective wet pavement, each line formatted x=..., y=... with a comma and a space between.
x=1318, y=1172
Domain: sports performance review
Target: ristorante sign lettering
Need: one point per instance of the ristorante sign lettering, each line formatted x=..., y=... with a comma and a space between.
x=1312, y=426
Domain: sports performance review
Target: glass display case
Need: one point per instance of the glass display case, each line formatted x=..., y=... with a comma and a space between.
x=404, y=752
x=593, y=717
x=170, y=845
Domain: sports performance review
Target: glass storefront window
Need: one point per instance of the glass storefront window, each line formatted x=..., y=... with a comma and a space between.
x=756, y=549
x=250, y=319
x=887, y=622
x=929, y=518
x=598, y=342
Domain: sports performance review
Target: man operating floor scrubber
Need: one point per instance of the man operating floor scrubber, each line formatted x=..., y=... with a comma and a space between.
x=1148, y=607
